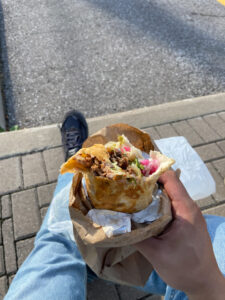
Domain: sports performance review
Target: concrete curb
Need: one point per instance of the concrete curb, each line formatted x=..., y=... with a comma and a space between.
x=40, y=138
x=2, y=113
x=29, y=140
x=162, y=113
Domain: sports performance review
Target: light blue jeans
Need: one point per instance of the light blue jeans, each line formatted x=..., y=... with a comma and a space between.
x=55, y=269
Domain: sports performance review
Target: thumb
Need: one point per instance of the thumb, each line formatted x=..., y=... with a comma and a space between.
x=181, y=202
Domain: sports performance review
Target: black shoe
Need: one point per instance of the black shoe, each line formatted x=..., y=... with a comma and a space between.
x=74, y=132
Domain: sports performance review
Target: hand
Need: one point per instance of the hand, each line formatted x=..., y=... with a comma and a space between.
x=183, y=255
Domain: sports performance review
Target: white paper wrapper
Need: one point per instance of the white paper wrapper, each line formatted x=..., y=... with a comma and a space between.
x=112, y=222
x=150, y=213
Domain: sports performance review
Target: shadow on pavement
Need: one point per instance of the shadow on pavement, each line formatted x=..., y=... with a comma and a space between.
x=157, y=23
x=7, y=86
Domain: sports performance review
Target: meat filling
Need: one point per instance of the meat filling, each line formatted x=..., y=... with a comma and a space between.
x=105, y=169
x=121, y=159
x=101, y=168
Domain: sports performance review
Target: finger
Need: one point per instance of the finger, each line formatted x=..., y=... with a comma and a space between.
x=176, y=192
x=174, y=186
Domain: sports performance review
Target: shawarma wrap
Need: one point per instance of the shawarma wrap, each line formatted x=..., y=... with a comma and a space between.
x=117, y=175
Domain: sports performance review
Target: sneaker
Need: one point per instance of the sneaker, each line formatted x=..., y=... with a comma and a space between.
x=74, y=132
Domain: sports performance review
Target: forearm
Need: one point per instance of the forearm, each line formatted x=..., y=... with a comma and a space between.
x=212, y=290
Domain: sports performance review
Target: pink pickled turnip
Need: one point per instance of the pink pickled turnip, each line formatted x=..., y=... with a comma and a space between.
x=150, y=166
x=144, y=162
x=154, y=164
x=126, y=148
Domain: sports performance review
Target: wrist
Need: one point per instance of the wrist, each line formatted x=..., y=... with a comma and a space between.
x=214, y=289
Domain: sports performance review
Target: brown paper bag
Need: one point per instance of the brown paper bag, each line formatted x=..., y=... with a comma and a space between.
x=114, y=258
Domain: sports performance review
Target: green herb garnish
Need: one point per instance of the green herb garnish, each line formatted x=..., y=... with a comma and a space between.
x=137, y=163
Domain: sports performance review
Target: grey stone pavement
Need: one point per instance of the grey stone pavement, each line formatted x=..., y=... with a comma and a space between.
x=103, y=56
x=30, y=161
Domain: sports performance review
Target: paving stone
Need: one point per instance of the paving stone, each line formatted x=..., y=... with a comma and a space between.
x=184, y=129
x=6, y=207
x=101, y=290
x=208, y=152
x=33, y=169
x=12, y=179
x=2, y=266
x=45, y=193
x=203, y=129
x=222, y=115
x=217, y=210
x=130, y=293
x=3, y=287
x=23, y=248
x=153, y=133
x=9, y=248
x=0, y=233
x=11, y=277
x=166, y=131
x=216, y=123
x=202, y=203
x=26, y=214
x=43, y=212
x=221, y=146
x=53, y=160
x=220, y=166
x=220, y=187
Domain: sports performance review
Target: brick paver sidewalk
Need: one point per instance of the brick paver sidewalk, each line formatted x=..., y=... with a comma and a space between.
x=30, y=160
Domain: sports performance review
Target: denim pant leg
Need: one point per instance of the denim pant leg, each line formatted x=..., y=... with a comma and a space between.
x=54, y=269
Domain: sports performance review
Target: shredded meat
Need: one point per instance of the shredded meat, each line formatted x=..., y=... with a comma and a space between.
x=97, y=171
x=96, y=167
x=120, y=158
x=104, y=168
x=115, y=155
x=100, y=168
x=123, y=163
x=88, y=160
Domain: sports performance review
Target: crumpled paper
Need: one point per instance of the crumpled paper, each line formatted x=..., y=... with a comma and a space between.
x=112, y=222
x=195, y=175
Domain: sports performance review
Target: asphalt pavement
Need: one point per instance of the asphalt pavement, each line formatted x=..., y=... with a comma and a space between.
x=103, y=56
